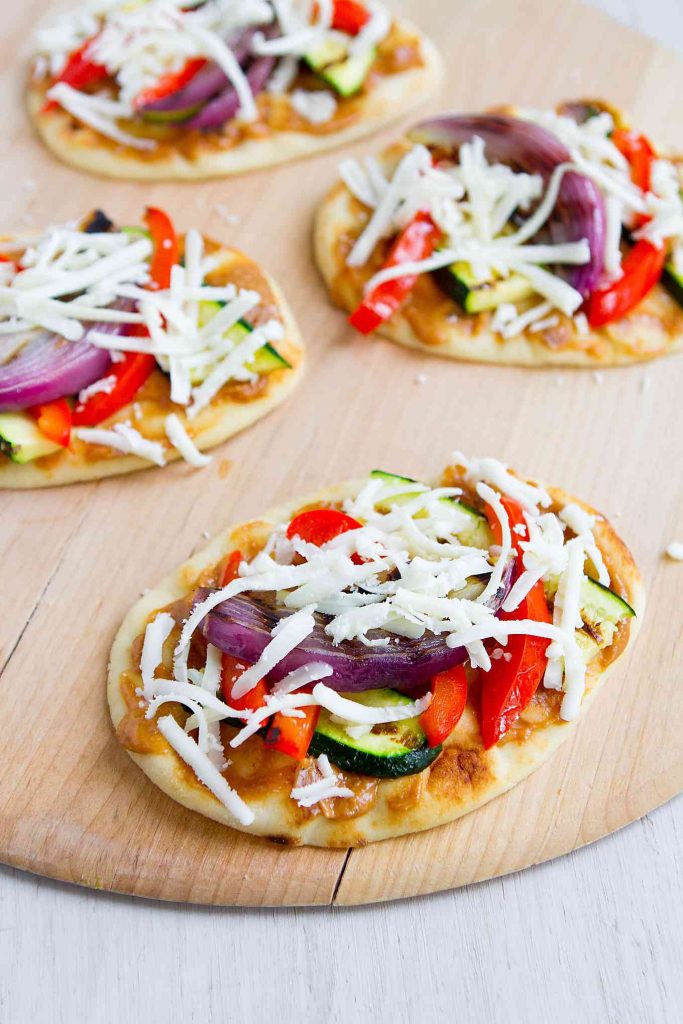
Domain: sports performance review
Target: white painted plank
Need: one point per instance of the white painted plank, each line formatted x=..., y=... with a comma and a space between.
x=595, y=936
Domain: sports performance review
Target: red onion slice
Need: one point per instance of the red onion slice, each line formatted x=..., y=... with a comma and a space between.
x=226, y=105
x=206, y=83
x=580, y=209
x=49, y=367
x=241, y=626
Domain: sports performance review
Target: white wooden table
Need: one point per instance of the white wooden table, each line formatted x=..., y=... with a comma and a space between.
x=593, y=937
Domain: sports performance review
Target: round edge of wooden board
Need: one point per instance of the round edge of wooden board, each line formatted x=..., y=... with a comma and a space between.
x=651, y=797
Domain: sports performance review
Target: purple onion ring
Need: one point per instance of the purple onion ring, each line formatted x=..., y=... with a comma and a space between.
x=241, y=627
x=580, y=209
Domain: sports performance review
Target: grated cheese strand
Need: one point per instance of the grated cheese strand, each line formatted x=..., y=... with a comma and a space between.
x=204, y=769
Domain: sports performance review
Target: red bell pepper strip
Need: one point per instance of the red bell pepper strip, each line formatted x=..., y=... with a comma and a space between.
x=54, y=420
x=320, y=525
x=166, y=250
x=292, y=736
x=79, y=71
x=449, y=697
x=130, y=375
x=641, y=270
x=349, y=16
x=230, y=572
x=642, y=266
x=169, y=83
x=232, y=668
x=640, y=154
x=417, y=241
x=510, y=684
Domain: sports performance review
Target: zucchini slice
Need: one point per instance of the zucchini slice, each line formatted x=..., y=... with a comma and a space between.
x=386, y=752
x=169, y=116
x=21, y=440
x=266, y=359
x=477, y=531
x=476, y=295
x=345, y=74
x=601, y=610
x=673, y=282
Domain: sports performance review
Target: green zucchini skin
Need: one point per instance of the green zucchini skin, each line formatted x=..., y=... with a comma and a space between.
x=266, y=359
x=673, y=282
x=349, y=759
x=598, y=599
x=386, y=752
x=345, y=74
x=475, y=296
x=478, y=533
x=21, y=440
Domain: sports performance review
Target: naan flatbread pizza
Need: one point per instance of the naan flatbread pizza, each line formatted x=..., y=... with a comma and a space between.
x=376, y=659
x=520, y=236
x=166, y=89
x=125, y=348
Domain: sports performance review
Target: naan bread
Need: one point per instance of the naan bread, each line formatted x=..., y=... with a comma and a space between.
x=231, y=411
x=462, y=778
x=432, y=322
x=210, y=157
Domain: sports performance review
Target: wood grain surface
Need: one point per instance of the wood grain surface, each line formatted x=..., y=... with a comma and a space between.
x=72, y=560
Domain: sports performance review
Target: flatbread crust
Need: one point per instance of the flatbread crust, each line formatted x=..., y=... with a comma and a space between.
x=89, y=151
x=212, y=427
x=463, y=778
x=432, y=322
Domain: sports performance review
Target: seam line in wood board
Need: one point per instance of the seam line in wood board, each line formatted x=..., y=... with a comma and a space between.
x=43, y=591
x=347, y=858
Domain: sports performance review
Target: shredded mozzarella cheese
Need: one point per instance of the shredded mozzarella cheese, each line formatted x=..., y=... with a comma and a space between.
x=204, y=769
x=181, y=440
x=125, y=439
x=325, y=787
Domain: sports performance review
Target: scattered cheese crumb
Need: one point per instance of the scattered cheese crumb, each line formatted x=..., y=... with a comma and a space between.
x=324, y=787
x=224, y=213
x=581, y=324
x=598, y=377
x=105, y=386
x=421, y=378
x=675, y=551
x=314, y=107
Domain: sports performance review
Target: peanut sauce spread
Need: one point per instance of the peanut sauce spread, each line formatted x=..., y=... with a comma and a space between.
x=398, y=52
x=463, y=767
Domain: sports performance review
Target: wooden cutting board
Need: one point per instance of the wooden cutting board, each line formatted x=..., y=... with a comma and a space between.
x=72, y=804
